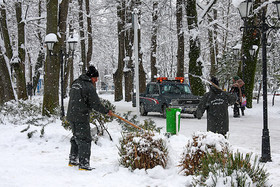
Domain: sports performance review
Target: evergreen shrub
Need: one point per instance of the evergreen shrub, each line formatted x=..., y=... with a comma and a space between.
x=208, y=158
x=142, y=149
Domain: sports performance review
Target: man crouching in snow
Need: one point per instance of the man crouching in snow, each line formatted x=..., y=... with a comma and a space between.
x=216, y=103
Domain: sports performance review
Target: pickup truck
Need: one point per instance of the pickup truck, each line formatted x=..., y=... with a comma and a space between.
x=167, y=93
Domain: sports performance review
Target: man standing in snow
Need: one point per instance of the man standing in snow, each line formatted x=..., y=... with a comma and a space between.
x=83, y=98
x=216, y=103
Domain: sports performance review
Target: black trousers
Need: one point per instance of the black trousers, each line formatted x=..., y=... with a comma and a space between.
x=236, y=109
x=80, y=143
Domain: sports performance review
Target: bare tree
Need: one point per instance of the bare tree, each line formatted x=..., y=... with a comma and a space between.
x=20, y=66
x=195, y=68
x=89, y=32
x=6, y=90
x=154, y=41
x=5, y=31
x=180, y=36
x=52, y=67
x=41, y=54
x=118, y=75
x=129, y=36
x=213, y=44
x=82, y=35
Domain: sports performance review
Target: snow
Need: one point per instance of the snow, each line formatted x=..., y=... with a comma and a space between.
x=44, y=161
x=236, y=3
x=51, y=37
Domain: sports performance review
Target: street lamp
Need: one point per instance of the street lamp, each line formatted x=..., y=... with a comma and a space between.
x=263, y=27
x=236, y=50
x=50, y=40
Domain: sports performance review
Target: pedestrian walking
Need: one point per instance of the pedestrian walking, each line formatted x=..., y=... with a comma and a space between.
x=216, y=103
x=238, y=88
x=83, y=98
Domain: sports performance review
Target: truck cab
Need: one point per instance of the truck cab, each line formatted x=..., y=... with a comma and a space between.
x=167, y=93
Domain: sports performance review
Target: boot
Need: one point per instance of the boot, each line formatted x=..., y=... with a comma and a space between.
x=85, y=168
x=73, y=163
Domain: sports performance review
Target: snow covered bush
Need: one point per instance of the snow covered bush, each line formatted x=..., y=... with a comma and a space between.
x=208, y=157
x=142, y=150
x=27, y=113
x=232, y=169
x=197, y=148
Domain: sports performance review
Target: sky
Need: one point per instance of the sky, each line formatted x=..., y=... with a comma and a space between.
x=44, y=161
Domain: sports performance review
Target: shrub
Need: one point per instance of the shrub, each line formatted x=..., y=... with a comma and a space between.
x=142, y=150
x=25, y=112
x=198, y=147
x=208, y=158
x=231, y=169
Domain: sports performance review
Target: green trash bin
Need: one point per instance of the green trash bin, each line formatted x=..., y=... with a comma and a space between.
x=171, y=120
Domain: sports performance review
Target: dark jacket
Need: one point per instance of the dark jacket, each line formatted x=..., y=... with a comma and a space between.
x=83, y=98
x=216, y=103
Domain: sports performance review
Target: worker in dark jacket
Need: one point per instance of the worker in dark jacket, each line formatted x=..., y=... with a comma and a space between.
x=83, y=98
x=216, y=103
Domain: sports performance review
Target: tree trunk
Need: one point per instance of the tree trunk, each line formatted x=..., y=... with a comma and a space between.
x=180, y=36
x=154, y=41
x=52, y=65
x=82, y=36
x=41, y=53
x=71, y=59
x=129, y=36
x=142, y=73
x=5, y=31
x=20, y=66
x=128, y=81
x=250, y=37
x=62, y=23
x=6, y=90
x=195, y=68
x=118, y=75
x=89, y=31
x=212, y=36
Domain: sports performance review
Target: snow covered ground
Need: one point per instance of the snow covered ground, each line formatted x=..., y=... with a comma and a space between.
x=44, y=161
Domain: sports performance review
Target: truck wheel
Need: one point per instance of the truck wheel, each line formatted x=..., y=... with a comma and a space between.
x=142, y=110
x=164, y=107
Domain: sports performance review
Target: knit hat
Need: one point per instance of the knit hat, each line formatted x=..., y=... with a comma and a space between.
x=215, y=80
x=92, y=72
x=236, y=78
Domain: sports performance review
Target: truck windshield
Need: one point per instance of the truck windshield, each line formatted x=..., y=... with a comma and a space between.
x=175, y=89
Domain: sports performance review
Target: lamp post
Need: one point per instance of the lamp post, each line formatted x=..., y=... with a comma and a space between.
x=236, y=50
x=50, y=40
x=263, y=27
